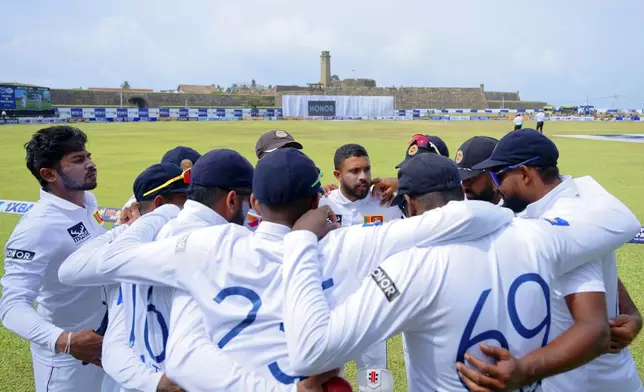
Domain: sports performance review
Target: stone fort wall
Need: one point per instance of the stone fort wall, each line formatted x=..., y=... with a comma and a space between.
x=405, y=98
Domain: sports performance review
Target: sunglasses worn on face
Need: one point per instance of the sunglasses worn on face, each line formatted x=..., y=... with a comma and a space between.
x=423, y=141
x=496, y=176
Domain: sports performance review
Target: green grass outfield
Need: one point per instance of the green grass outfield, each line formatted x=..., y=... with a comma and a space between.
x=121, y=151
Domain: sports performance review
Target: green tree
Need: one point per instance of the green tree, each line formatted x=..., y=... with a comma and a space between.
x=125, y=85
x=253, y=84
x=335, y=77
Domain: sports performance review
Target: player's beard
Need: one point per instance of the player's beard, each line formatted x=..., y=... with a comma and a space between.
x=72, y=185
x=515, y=203
x=240, y=217
x=359, y=194
x=488, y=195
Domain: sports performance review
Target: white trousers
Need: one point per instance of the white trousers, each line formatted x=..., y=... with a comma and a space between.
x=69, y=378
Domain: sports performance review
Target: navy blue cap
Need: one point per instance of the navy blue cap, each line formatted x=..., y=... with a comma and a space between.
x=223, y=168
x=159, y=179
x=426, y=173
x=180, y=153
x=520, y=146
x=284, y=176
x=474, y=151
x=437, y=146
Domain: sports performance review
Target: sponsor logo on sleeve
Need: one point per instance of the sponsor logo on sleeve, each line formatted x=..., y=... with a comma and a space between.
x=78, y=232
x=19, y=254
x=182, y=244
x=385, y=284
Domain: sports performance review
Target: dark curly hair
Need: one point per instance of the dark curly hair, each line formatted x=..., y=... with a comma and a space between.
x=49, y=145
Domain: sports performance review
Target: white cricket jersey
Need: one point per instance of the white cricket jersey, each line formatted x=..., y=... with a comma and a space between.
x=147, y=307
x=518, y=120
x=367, y=210
x=235, y=276
x=447, y=299
x=616, y=372
x=124, y=370
x=127, y=367
x=540, y=117
x=43, y=238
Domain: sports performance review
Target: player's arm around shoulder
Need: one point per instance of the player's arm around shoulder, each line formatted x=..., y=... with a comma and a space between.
x=132, y=258
x=320, y=339
x=31, y=247
x=82, y=267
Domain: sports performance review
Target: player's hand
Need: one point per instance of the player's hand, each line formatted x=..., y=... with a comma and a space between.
x=384, y=189
x=329, y=188
x=319, y=221
x=623, y=330
x=167, y=385
x=129, y=214
x=85, y=346
x=316, y=383
x=506, y=375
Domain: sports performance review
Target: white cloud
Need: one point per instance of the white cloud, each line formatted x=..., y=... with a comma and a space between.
x=546, y=50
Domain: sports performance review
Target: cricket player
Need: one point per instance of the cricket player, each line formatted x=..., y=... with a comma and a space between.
x=269, y=142
x=221, y=183
x=477, y=184
x=353, y=203
x=161, y=183
x=534, y=189
x=61, y=327
x=241, y=270
x=501, y=283
x=182, y=156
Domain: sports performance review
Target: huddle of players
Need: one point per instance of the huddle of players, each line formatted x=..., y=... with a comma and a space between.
x=285, y=305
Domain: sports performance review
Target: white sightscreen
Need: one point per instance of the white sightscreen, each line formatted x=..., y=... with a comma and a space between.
x=345, y=106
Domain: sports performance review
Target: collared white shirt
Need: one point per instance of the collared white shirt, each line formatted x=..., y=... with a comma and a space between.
x=43, y=238
x=234, y=275
x=116, y=360
x=540, y=116
x=147, y=308
x=367, y=210
x=501, y=283
x=610, y=371
x=518, y=120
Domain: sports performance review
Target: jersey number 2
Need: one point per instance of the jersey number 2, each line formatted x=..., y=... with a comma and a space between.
x=256, y=303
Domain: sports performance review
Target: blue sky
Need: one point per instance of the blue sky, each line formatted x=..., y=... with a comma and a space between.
x=558, y=51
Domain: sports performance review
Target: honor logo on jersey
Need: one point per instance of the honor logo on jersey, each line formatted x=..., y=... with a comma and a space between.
x=78, y=232
x=385, y=284
x=19, y=254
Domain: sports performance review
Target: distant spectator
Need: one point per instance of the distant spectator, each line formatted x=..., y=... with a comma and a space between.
x=518, y=121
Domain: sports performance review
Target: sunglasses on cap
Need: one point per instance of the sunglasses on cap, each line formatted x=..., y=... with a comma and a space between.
x=496, y=175
x=185, y=176
x=423, y=141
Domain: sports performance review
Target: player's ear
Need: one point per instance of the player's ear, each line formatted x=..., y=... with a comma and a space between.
x=337, y=174
x=158, y=201
x=48, y=174
x=412, y=208
x=231, y=201
x=254, y=204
